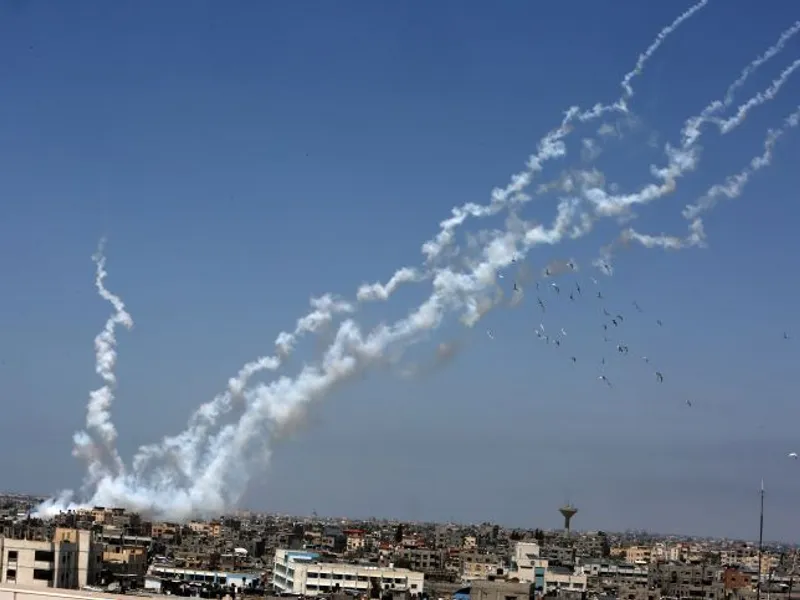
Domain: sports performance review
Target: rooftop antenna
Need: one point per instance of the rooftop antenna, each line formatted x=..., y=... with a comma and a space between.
x=760, y=542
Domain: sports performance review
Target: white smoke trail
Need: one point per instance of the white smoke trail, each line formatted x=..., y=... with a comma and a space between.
x=732, y=188
x=549, y=147
x=751, y=68
x=626, y=82
x=681, y=160
x=98, y=412
x=183, y=448
x=225, y=475
x=691, y=130
x=224, y=472
x=734, y=184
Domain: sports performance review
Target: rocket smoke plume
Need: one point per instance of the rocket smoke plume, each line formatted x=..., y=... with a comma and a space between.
x=205, y=469
x=96, y=445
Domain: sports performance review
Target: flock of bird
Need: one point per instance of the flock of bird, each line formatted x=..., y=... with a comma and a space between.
x=611, y=321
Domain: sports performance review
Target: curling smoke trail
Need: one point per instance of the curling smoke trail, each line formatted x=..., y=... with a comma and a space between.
x=98, y=413
x=684, y=159
x=732, y=188
x=222, y=471
x=549, y=147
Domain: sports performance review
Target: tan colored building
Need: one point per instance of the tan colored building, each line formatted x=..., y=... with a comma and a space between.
x=71, y=560
x=479, y=566
x=499, y=590
x=165, y=530
x=131, y=559
x=638, y=555
x=19, y=592
x=355, y=539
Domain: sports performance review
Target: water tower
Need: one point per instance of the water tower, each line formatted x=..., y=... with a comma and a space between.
x=567, y=511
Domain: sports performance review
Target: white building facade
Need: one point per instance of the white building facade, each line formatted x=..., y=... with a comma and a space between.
x=297, y=572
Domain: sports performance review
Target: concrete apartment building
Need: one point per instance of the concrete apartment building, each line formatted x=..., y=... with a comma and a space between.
x=70, y=560
x=527, y=566
x=304, y=573
x=480, y=566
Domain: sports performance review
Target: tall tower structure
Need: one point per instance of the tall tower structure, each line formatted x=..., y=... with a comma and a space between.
x=568, y=511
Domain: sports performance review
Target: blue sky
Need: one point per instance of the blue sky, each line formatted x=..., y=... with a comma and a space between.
x=243, y=158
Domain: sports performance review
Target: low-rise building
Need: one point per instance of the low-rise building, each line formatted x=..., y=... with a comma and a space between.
x=304, y=573
x=157, y=574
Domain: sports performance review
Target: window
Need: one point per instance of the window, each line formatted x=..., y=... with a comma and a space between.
x=43, y=574
x=11, y=575
x=12, y=555
x=44, y=555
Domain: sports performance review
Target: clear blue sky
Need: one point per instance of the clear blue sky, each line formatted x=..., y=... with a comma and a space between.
x=243, y=157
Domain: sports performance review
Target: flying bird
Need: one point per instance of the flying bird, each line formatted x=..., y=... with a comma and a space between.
x=516, y=287
x=659, y=322
x=785, y=335
x=555, y=287
x=636, y=306
x=541, y=304
x=578, y=287
x=660, y=377
x=490, y=334
x=600, y=295
x=793, y=455
x=574, y=360
x=563, y=332
x=604, y=378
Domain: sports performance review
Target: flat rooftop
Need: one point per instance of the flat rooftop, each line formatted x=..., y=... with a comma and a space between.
x=7, y=592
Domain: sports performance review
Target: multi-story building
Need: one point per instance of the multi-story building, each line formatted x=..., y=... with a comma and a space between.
x=304, y=573
x=528, y=567
x=71, y=560
x=527, y=564
x=355, y=540
x=475, y=565
x=638, y=555
x=424, y=559
x=688, y=581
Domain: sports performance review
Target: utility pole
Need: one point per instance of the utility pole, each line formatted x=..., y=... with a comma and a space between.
x=760, y=542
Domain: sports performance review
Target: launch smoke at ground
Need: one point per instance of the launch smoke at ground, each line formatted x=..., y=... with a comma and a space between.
x=205, y=469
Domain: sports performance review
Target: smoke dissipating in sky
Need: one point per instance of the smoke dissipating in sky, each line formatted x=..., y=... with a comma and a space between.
x=192, y=474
